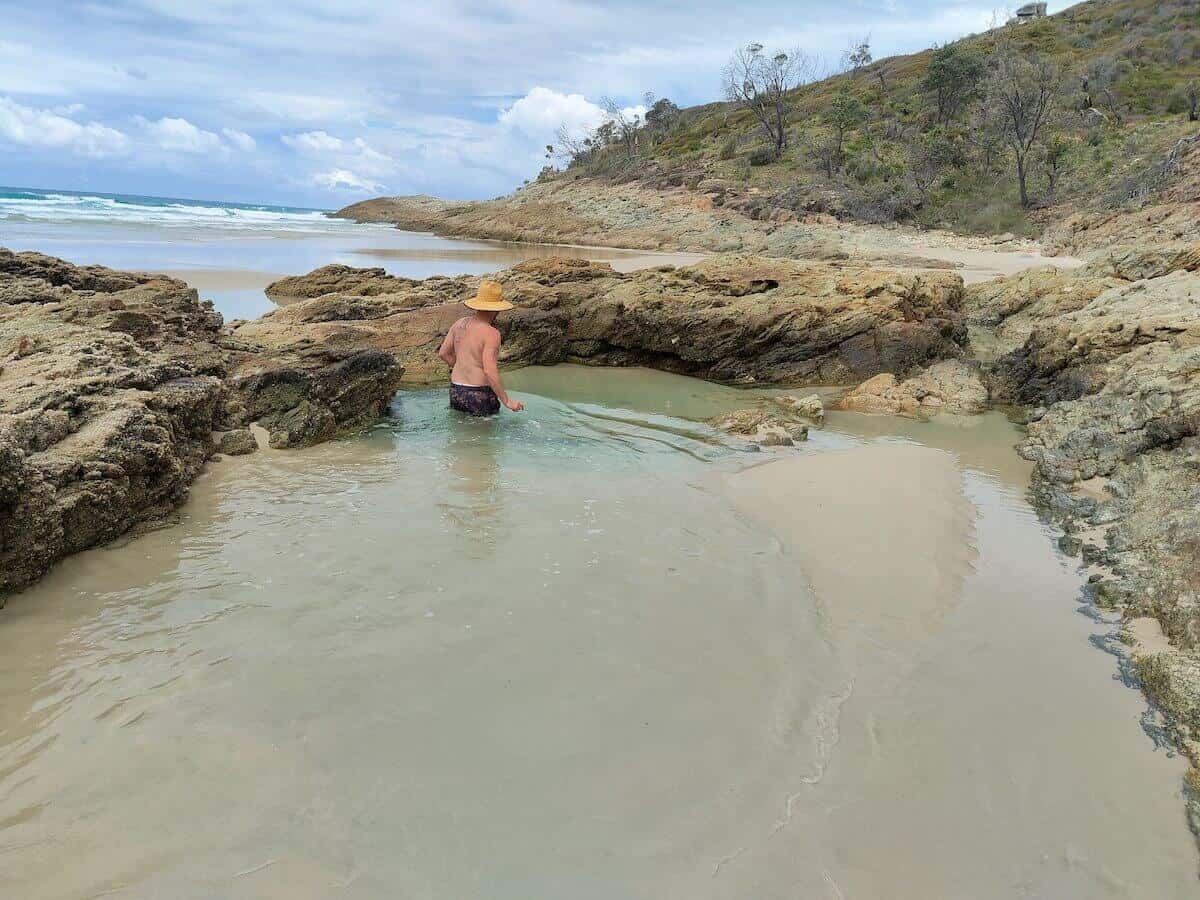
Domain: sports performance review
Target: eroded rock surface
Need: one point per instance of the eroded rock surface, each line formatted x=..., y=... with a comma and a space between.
x=951, y=386
x=732, y=318
x=111, y=385
x=761, y=427
x=1111, y=365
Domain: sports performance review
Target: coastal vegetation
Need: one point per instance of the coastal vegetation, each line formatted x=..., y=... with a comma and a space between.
x=1008, y=130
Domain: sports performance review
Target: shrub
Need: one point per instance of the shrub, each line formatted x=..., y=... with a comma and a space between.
x=729, y=148
x=761, y=157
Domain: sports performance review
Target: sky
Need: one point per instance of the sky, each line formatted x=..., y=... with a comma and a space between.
x=323, y=102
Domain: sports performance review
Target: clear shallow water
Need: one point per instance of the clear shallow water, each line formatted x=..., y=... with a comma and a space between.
x=231, y=251
x=546, y=656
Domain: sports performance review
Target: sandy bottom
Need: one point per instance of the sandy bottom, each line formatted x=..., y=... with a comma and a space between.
x=205, y=280
x=930, y=574
x=591, y=651
x=973, y=264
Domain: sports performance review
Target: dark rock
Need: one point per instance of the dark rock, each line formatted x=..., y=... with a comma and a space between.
x=238, y=442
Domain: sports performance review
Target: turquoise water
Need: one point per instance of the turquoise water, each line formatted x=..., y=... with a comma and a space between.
x=59, y=206
x=544, y=656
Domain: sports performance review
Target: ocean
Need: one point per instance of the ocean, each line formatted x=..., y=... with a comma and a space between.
x=231, y=251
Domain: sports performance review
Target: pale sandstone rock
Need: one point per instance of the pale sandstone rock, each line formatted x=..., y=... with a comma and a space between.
x=952, y=386
x=735, y=318
x=762, y=428
x=111, y=385
x=810, y=406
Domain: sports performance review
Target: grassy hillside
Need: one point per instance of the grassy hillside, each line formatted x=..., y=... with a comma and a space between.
x=1134, y=60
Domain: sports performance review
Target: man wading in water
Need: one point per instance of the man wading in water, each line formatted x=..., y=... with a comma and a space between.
x=471, y=350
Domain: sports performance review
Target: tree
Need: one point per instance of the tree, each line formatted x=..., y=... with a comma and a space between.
x=661, y=114
x=984, y=135
x=858, y=56
x=953, y=80
x=1022, y=93
x=625, y=127
x=845, y=114
x=569, y=147
x=1054, y=155
x=1099, y=90
x=762, y=83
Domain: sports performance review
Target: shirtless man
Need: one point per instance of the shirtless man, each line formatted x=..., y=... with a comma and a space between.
x=471, y=350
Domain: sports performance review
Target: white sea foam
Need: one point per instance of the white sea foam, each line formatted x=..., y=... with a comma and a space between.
x=32, y=206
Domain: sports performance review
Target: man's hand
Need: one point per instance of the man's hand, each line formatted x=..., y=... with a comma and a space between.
x=514, y=405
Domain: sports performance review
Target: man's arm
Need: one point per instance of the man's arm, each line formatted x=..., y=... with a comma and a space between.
x=446, y=352
x=491, y=370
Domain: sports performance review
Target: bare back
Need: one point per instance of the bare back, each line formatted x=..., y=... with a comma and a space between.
x=470, y=337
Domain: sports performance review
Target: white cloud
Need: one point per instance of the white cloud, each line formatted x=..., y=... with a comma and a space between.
x=181, y=136
x=313, y=142
x=239, y=139
x=368, y=159
x=34, y=127
x=541, y=111
x=304, y=108
x=345, y=180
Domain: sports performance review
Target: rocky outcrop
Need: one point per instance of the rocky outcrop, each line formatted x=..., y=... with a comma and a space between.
x=736, y=319
x=335, y=279
x=109, y=389
x=951, y=386
x=808, y=407
x=305, y=399
x=111, y=386
x=762, y=428
x=1111, y=368
x=1159, y=206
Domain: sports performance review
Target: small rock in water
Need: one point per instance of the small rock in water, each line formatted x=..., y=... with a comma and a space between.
x=764, y=429
x=237, y=443
x=810, y=406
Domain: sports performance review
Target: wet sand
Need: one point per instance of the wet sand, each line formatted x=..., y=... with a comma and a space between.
x=591, y=652
x=968, y=720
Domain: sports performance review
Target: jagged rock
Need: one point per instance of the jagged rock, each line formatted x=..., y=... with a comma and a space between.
x=301, y=405
x=736, y=319
x=108, y=397
x=111, y=385
x=1003, y=312
x=1133, y=263
x=335, y=279
x=238, y=442
x=1114, y=368
x=763, y=428
x=952, y=386
x=810, y=407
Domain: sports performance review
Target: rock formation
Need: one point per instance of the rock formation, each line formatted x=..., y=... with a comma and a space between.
x=736, y=319
x=951, y=386
x=111, y=385
x=762, y=428
x=1110, y=364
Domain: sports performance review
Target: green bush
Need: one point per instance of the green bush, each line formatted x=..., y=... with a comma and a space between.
x=729, y=148
x=761, y=157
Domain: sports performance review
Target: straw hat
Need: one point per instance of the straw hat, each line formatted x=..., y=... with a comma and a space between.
x=490, y=298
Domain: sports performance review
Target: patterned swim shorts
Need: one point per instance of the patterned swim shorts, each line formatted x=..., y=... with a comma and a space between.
x=475, y=400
